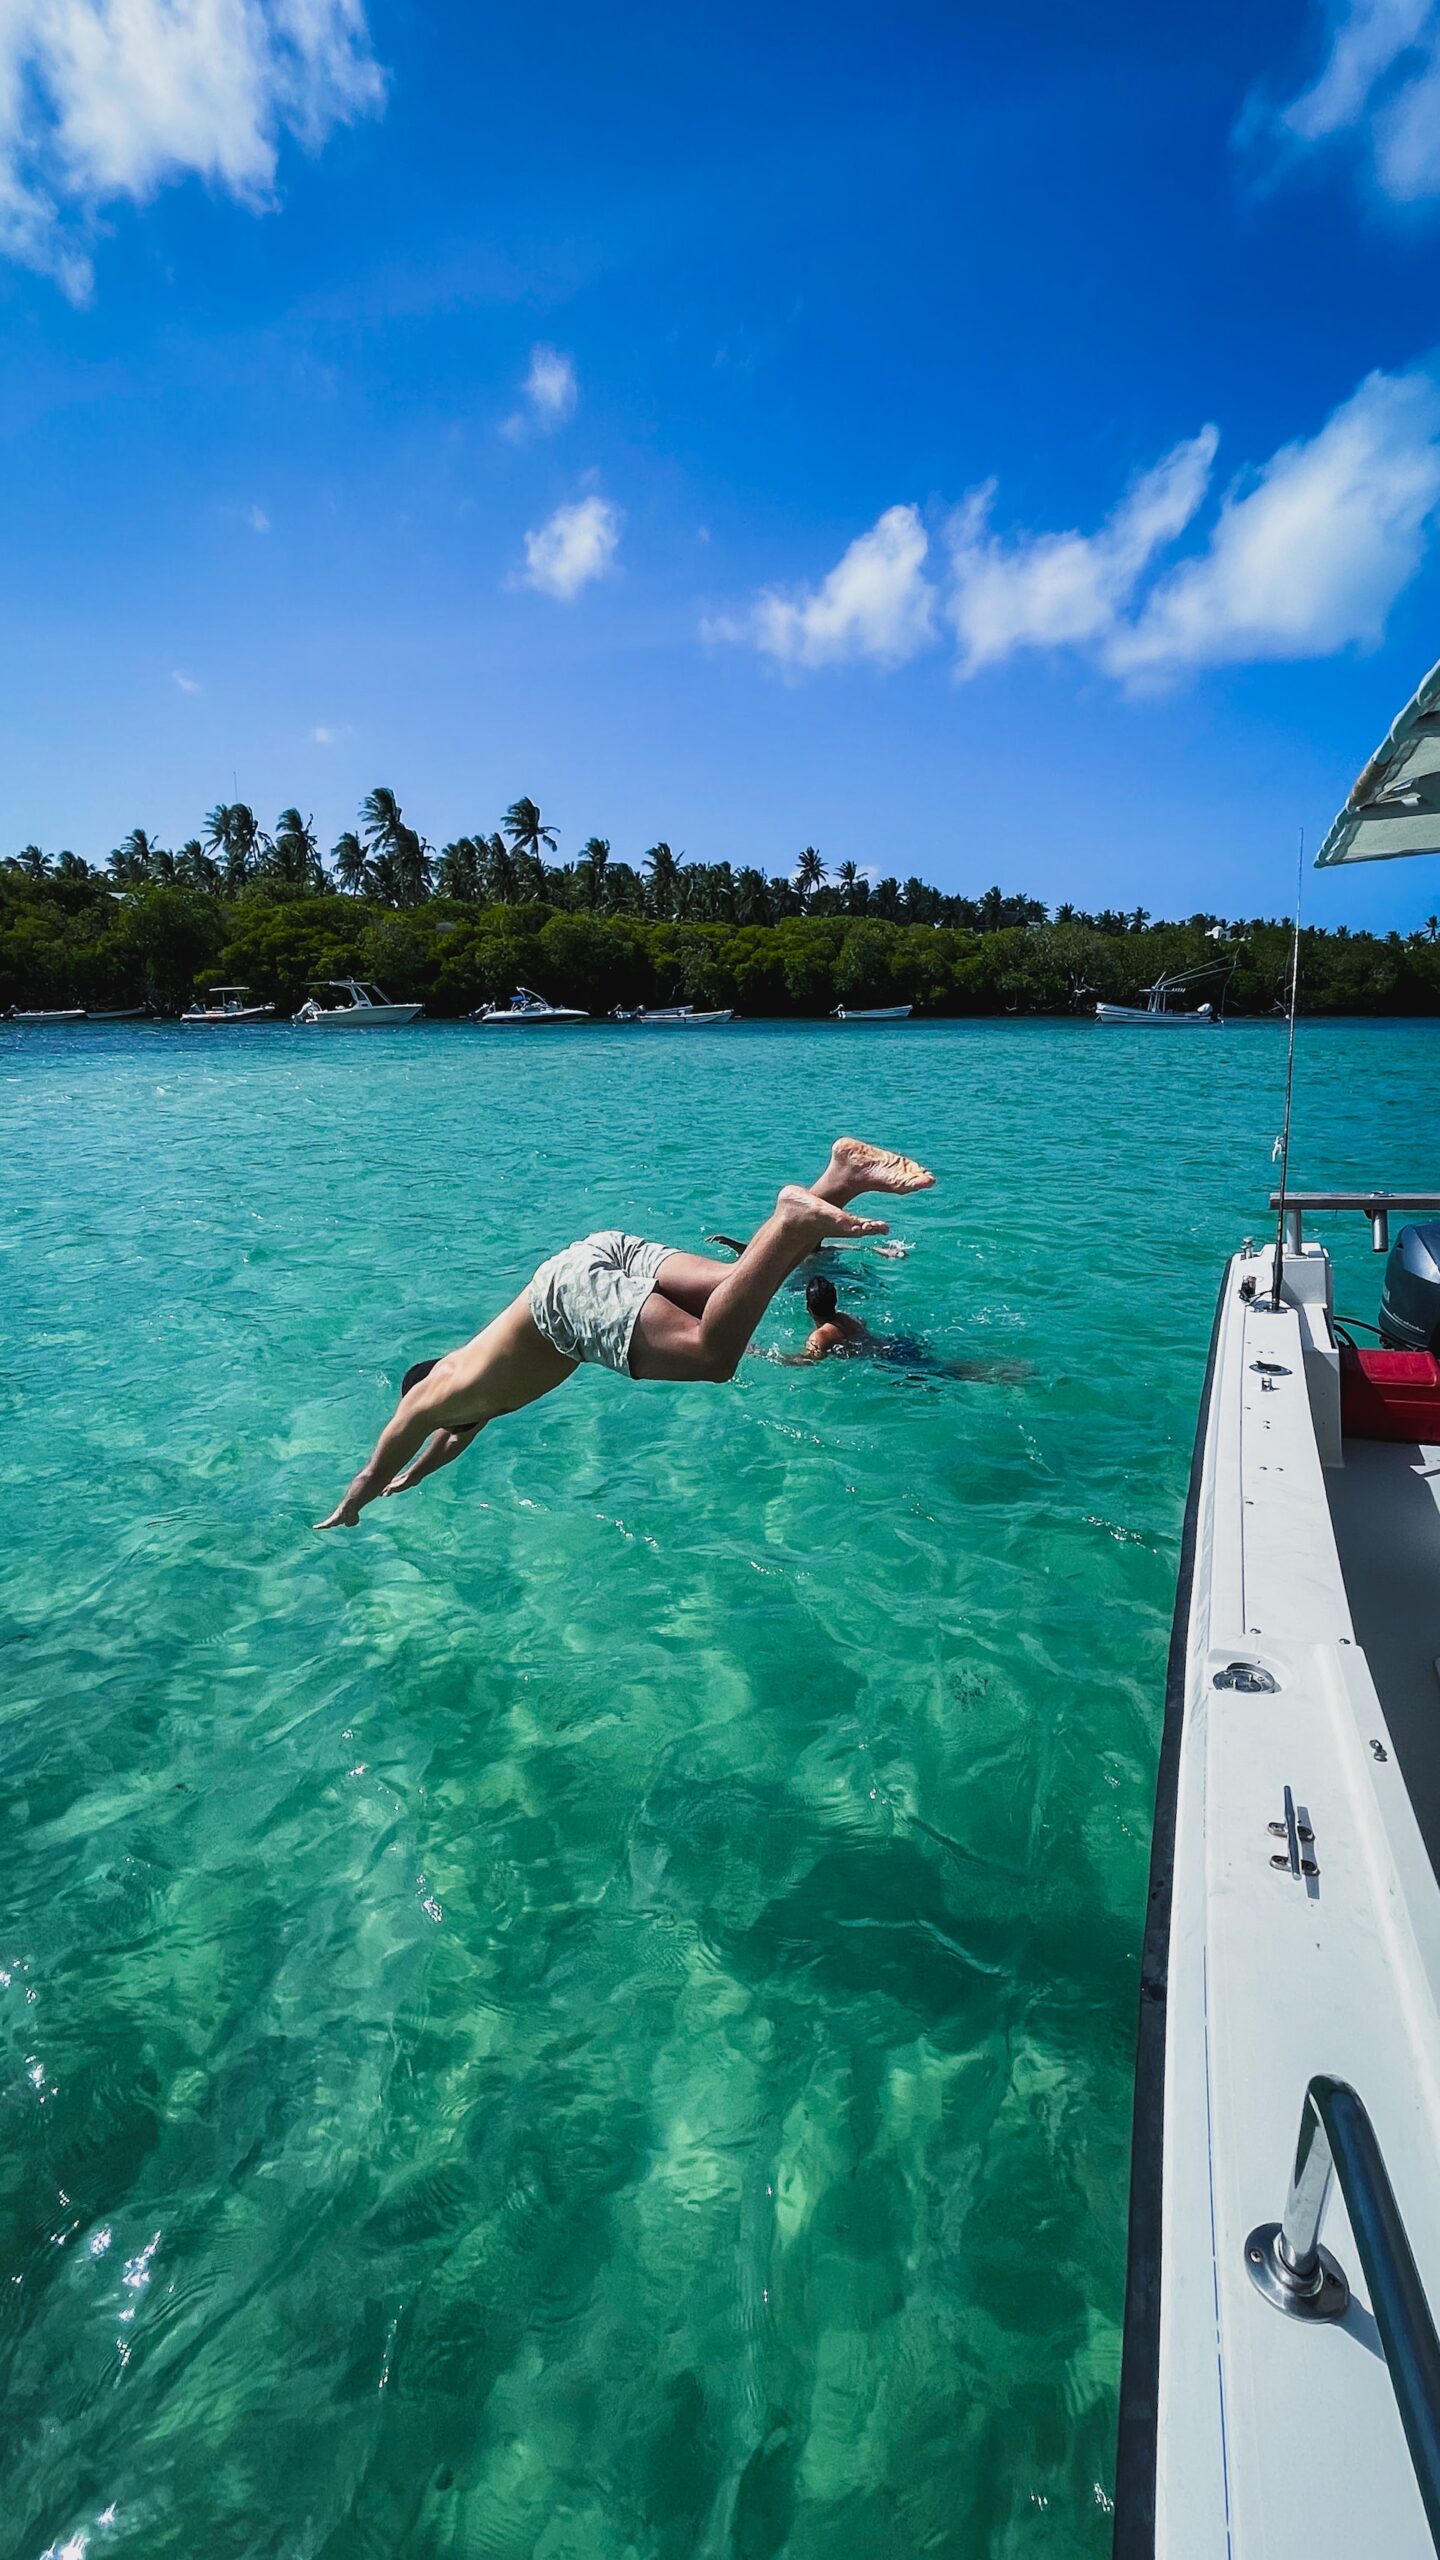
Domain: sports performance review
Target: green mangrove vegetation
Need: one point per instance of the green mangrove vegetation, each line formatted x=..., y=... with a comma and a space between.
x=158, y=926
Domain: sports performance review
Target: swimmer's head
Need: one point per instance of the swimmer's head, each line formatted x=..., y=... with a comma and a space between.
x=820, y=1299
x=413, y=1376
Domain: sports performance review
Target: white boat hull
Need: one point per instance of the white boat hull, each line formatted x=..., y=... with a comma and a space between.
x=872, y=1013
x=359, y=1017
x=676, y=1018
x=1201, y=1020
x=1254, y=1978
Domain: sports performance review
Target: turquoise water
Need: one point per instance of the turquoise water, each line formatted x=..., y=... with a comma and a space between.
x=591, y=2020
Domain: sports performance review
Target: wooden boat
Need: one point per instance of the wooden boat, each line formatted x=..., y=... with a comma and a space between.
x=366, y=1008
x=872, y=1013
x=227, y=1010
x=527, y=1011
x=1280, y=2386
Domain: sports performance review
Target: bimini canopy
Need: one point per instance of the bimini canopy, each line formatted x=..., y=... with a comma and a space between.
x=1395, y=805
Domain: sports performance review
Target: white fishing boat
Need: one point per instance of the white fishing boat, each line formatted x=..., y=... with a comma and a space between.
x=43, y=1021
x=226, y=1009
x=673, y=1017
x=365, y=1007
x=872, y=1013
x=1280, y=2388
x=528, y=1011
x=1158, y=1011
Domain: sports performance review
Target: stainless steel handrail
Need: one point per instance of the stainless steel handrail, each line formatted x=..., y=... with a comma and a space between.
x=1375, y=1205
x=1288, y=2266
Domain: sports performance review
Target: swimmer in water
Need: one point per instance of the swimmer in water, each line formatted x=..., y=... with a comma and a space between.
x=624, y=1304
x=834, y=1332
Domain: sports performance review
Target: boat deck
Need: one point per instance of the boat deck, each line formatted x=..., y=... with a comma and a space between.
x=1385, y=1504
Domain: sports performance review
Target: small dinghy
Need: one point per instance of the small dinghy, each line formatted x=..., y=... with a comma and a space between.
x=227, y=1010
x=121, y=1013
x=528, y=1011
x=1280, y=2387
x=366, y=1007
x=39, y=1021
x=872, y=1013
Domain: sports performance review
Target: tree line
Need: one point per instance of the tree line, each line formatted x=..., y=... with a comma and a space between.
x=386, y=861
x=490, y=911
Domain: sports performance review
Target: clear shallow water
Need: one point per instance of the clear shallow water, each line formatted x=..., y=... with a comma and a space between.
x=591, y=2020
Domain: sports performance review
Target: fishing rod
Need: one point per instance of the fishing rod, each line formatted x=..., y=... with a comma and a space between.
x=1279, y=1268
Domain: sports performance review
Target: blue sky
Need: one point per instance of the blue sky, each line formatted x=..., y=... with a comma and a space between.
x=990, y=456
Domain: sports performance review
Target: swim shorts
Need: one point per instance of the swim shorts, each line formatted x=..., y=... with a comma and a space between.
x=586, y=1300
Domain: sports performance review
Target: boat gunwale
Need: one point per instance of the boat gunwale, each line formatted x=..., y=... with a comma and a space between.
x=1137, y=2432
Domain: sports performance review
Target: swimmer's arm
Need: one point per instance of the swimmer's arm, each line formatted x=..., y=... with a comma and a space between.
x=402, y=1439
x=444, y=1449
x=825, y=1339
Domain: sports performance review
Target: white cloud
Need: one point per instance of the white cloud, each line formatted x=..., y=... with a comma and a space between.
x=550, y=392
x=1043, y=590
x=104, y=100
x=1305, y=557
x=1380, y=84
x=575, y=545
x=187, y=684
x=322, y=737
x=1310, y=558
x=876, y=603
x=257, y=520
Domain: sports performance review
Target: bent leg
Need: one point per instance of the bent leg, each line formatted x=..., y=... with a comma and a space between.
x=669, y=1343
x=689, y=1280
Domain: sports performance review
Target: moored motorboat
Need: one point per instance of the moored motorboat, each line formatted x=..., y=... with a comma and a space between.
x=120, y=1013
x=872, y=1013
x=366, y=1008
x=673, y=1017
x=40, y=1020
x=1157, y=1012
x=528, y=1011
x=227, y=1010
x=1281, y=2371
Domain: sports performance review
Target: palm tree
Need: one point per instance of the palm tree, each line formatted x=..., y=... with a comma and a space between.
x=809, y=874
x=847, y=881
x=752, y=896
x=459, y=872
x=400, y=859
x=594, y=855
x=1432, y=924
x=502, y=881
x=294, y=854
x=531, y=839
x=32, y=862
x=72, y=866
x=348, y=856
x=663, y=881
x=195, y=868
x=232, y=831
x=381, y=819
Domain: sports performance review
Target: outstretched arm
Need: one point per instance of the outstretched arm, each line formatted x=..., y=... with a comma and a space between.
x=402, y=1439
x=444, y=1449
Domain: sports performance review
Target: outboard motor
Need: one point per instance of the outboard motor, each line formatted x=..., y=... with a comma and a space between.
x=1410, y=1305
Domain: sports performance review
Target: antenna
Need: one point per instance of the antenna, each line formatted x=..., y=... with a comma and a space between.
x=1289, y=1083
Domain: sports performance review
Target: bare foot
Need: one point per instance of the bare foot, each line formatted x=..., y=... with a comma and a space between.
x=346, y=1515
x=823, y=1218
x=854, y=1167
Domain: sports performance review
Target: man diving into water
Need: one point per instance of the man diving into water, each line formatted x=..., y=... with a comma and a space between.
x=627, y=1305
